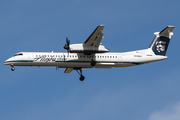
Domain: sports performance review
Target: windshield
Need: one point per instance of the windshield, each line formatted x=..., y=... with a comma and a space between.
x=18, y=54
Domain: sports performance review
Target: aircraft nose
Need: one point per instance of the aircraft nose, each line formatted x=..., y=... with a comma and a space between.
x=7, y=62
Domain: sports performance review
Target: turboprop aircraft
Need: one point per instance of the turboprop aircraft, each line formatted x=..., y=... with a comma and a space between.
x=92, y=54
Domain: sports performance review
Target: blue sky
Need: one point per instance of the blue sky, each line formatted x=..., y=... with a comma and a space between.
x=145, y=92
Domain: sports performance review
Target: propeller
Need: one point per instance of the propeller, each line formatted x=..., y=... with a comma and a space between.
x=67, y=44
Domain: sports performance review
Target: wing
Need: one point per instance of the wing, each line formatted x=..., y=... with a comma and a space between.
x=68, y=70
x=95, y=38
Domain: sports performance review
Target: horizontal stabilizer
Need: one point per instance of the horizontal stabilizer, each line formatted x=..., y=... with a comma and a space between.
x=166, y=31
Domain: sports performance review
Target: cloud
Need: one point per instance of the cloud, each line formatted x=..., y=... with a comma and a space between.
x=169, y=113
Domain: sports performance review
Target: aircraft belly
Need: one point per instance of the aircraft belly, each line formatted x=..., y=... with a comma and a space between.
x=74, y=64
x=124, y=64
x=63, y=64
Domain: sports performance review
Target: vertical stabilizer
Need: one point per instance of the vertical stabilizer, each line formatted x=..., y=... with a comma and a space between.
x=161, y=41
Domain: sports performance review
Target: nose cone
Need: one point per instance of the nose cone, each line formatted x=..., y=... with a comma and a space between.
x=7, y=62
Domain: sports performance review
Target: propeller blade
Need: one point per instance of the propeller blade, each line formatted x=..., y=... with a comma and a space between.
x=67, y=41
x=67, y=44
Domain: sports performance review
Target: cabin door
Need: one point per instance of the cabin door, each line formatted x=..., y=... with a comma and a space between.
x=120, y=59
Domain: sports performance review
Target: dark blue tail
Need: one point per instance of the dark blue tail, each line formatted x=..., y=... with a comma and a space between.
x=160, y=44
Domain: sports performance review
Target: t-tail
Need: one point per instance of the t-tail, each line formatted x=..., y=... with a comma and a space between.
x=161, y=41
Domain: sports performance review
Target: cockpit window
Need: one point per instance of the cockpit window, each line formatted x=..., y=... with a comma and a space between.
x=18, y=54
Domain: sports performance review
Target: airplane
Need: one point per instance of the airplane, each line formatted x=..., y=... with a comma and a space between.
x=92, y=54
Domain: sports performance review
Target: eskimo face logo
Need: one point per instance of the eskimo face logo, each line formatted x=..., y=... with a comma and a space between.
x=160, y=45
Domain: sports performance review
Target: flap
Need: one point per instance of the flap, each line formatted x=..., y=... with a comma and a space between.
x=68, y=70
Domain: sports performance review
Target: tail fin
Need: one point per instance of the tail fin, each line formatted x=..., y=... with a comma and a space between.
x=161, y=41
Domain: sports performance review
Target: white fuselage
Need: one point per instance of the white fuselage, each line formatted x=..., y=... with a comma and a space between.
x=92, y=54
x=79, y=60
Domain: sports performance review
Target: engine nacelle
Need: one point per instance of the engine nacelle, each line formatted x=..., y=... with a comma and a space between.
x=80, y=48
